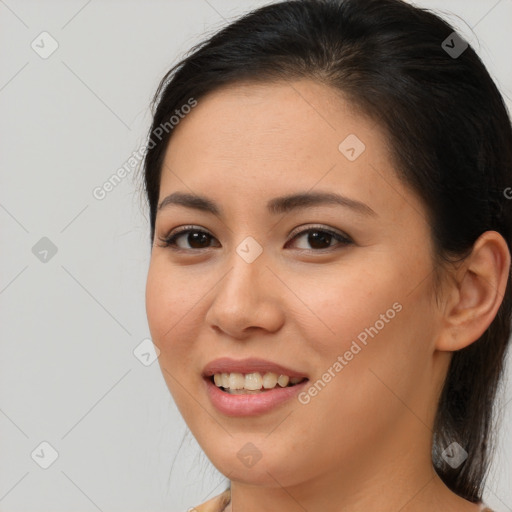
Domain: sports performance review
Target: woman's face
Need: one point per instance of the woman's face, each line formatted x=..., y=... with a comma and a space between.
x=347, y=305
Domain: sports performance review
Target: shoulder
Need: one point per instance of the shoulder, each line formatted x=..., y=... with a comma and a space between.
x=215, y=504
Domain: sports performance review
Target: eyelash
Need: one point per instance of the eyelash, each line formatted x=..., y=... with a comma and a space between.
x=169, y=241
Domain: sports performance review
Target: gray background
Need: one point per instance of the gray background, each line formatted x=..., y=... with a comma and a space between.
x=70, y=324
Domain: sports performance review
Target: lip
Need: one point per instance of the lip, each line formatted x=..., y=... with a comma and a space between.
x=250, y=404
x=249, y=365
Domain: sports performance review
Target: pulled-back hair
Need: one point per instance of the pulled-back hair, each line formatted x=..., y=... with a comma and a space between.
x=451, y=142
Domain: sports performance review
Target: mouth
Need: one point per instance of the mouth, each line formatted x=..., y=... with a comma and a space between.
x=250, y=387
x=253, y=383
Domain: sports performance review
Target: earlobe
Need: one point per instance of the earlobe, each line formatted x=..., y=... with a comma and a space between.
x=476, y=293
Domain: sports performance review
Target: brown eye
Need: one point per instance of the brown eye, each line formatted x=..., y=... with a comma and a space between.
x=195, y=238
x=321, y=239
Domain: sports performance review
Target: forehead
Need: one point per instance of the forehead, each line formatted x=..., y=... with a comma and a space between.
x=262, y=121
x=247, y=142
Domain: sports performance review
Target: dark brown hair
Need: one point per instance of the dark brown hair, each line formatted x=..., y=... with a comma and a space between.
x=450, y=135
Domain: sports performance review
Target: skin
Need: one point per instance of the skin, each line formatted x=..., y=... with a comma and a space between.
x=362, y=443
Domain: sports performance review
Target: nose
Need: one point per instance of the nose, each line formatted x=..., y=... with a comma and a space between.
x=247, y=299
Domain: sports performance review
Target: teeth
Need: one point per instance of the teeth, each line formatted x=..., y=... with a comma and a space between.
x=283, y=380
x=236, y=381
x=269, y=380
x=253, y=381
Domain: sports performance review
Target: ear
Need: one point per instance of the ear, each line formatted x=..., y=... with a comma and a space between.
x=475, y=295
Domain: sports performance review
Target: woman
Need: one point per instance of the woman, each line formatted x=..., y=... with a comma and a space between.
x=329, y=284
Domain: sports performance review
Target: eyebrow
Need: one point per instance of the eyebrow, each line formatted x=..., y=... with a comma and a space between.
x=275, y=206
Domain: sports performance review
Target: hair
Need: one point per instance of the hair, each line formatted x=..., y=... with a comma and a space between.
x=450, y=137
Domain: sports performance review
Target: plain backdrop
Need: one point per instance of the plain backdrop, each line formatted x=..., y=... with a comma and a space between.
x=77, y=393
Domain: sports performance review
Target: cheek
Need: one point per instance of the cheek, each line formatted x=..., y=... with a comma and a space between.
x=159, y=302
x=170, y=302
x=170, y=312
x=381, y=325
x=380, y=351
x=171, y=296
x=350, y=304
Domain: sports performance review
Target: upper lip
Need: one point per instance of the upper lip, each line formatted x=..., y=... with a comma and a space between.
x=249, y=365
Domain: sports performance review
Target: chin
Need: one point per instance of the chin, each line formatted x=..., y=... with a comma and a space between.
x=254, y=462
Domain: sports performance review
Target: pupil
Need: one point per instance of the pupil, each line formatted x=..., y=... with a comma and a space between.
x=201, y=239
x=316, y=236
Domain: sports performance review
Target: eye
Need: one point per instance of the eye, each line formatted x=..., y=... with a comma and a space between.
x=320, y=238
x=196, y=238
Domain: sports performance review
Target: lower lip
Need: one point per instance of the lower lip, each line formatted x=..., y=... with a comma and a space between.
x=250, y=404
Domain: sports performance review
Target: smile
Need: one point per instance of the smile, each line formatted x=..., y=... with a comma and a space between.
x=250, y=387
x=256, y=382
